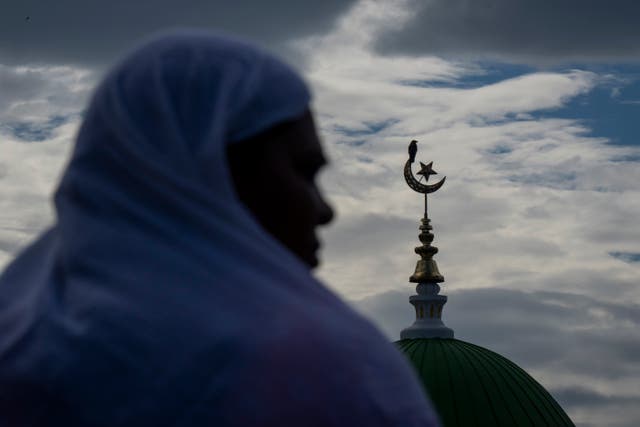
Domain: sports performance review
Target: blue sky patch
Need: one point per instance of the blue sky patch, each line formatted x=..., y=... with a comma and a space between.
x=626, y=158
x=370, y=128
x=629, y=257
x=611, y=109
x=34, y=131
x=500, y=149
x=487, y=74
x=352, y=142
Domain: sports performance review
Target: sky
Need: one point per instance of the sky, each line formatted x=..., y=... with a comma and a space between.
x=530, y=108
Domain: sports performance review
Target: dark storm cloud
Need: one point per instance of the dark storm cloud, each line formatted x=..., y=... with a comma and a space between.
x=95, y=32
x=26, y=84
x=536, y=31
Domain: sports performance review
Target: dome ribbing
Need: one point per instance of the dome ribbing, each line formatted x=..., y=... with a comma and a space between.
x=472, y=386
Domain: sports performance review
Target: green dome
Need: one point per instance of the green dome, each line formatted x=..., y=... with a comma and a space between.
x=472, y=386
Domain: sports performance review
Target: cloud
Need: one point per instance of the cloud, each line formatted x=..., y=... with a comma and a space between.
x=580, y=396
x=527, y=31
x=43, y=105
x=28, y=175
x=523, y=191
x=95, y=33
x=35, y=98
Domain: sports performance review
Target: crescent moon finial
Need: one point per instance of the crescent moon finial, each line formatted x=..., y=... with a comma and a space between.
x=425, y=171
x=428, y=303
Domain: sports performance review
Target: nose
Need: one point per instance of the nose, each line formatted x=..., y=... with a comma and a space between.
x=326, y=213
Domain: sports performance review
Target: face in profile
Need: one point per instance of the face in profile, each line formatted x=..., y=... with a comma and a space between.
x=274, y=174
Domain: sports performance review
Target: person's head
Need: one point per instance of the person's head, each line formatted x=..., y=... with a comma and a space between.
x=203, y=143
x=274, y=174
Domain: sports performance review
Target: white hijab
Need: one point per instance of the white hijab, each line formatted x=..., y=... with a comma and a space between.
x=156, y=298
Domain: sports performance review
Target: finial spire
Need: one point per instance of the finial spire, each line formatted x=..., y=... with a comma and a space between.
x=428, y=303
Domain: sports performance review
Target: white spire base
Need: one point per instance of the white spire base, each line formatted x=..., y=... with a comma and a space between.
x=428, y=305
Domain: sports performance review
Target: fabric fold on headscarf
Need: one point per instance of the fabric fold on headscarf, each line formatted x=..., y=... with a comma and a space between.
x=156, y=298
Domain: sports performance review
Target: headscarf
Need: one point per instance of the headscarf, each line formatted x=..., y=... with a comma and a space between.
x=156, y=298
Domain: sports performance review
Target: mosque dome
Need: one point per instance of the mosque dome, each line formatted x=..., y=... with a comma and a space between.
x=468, y=384
x=472, y=386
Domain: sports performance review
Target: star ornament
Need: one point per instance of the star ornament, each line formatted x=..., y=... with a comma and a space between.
x=426, y=170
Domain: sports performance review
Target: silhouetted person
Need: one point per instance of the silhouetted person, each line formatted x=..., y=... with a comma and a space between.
x=174, y=288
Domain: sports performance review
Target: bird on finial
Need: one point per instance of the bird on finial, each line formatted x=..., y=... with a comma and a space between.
x=413, y=149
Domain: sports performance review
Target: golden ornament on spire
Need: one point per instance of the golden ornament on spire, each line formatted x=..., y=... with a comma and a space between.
x=426, y=268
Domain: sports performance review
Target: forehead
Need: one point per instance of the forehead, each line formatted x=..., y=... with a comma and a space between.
x=301, y=137
x=295, y=140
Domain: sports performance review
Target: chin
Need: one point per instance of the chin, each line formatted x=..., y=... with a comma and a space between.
x=312, y=261
x=309, y=255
